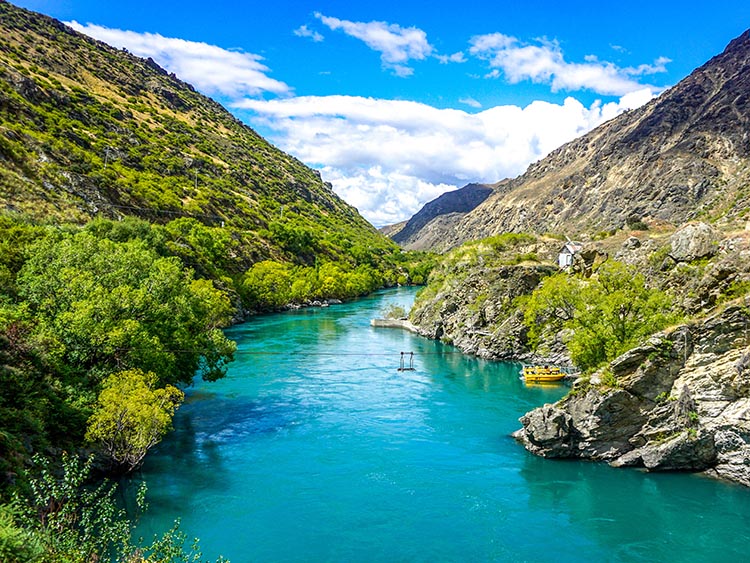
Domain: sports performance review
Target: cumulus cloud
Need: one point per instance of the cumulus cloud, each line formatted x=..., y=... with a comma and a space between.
x=389, y=157
x=209, y=68
x=304, y=31
x=397, y=45
x=545, y=63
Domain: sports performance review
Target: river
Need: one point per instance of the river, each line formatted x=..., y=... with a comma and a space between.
x=314, y=448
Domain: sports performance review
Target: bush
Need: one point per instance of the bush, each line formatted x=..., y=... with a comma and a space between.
x=132, y=416
x=66, y=519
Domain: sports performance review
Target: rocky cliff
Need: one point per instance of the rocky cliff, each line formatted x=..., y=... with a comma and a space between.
x=683, y=155
x=474, y=298
x=471, y=300
x=679, y=402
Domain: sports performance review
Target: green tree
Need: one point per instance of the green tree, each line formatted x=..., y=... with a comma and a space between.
x=99, y=306
x=607, y=314
x=132, y=416
x=17, y=545
x=553, y=305
x=268, y=285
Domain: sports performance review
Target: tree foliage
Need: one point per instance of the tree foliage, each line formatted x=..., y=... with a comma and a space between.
x=100, y=306
x=270, y=284
x=66, y=519
x=606, y=314
x=132, y=416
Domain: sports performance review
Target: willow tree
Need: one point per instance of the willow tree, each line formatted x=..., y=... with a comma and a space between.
x=132, y=416
x=100, y=306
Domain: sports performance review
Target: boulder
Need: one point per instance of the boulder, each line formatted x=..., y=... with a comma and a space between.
x=693, y=241
x=547, y=431
x=685, y=451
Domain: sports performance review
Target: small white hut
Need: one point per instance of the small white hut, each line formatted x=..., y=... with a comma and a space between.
x=567, y=254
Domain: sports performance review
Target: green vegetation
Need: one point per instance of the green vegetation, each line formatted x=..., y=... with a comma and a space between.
x=270, y=284
x=77, y=309
x=606, y=314
x=394, y=312
x=131, y=416
x=67, y=519
x=139, y=218
x=88, y=131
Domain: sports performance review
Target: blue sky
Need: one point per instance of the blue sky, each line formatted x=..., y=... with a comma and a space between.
x=396, y=102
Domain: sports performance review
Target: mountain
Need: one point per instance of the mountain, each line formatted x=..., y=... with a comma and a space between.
x=87, y=131
x=419, y=232
x=684, y=155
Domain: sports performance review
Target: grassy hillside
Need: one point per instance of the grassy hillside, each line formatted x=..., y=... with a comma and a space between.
x=90, y=131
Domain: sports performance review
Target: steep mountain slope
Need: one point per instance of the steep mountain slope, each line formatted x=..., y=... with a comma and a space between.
x=684, y=155
x=87, y=130
x=415, y=235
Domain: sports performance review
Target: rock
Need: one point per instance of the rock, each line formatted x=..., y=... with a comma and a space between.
x=474, y=309
x=681, y=452
x=682, y=403
x=631, y=243
x=733, y=454
x=547, y=431
x=589, y=425
x=694, y=241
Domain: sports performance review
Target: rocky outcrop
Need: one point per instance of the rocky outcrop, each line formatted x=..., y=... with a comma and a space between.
x=693, y=242
x=679, y=402
x=476, y=311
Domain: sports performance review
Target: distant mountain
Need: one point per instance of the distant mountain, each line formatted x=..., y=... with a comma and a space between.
x=417, y=233
x=390, y=230
x=87, y=130
x=684, y=155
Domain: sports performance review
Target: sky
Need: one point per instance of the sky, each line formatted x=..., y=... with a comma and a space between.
x=399, y=101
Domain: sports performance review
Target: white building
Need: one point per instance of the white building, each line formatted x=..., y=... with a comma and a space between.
x=567, y=253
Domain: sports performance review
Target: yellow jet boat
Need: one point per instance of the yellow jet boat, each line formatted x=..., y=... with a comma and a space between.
x=542, y=374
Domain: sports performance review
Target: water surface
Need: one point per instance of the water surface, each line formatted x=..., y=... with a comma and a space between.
x=315, y=448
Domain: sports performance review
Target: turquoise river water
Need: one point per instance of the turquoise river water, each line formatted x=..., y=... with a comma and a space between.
x=314, y=448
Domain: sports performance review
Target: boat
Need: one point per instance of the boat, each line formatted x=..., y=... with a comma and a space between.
x=542, y=374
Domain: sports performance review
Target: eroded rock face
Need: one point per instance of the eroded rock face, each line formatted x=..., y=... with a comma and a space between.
x=591, y=425
x=477, y=313
x=683, y=155
x=682, y=402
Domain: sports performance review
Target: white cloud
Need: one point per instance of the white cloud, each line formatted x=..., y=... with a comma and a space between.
x=660, y=65
x=469, y=101
x=304, y=31
x=209, y=68
x=397, y=45
x=389, y=157
x=458, y=57
x=544, y=62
